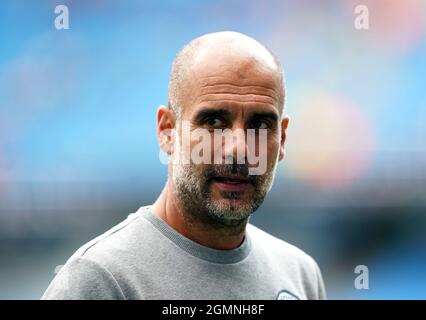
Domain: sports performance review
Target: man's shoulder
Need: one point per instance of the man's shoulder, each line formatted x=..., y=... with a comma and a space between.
x=89, y=272
x=122, y=241
x=279, y=249
x=286, y=258
x=110, y=239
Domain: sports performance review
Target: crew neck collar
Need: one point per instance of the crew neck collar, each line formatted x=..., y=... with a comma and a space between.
x=209, y=254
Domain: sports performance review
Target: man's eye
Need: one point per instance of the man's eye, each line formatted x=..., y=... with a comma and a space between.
x=214, y=122
x=260, y=124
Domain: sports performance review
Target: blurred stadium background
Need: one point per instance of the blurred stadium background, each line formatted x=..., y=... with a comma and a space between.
x=78, y=150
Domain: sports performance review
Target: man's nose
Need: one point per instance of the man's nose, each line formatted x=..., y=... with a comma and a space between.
x=234, y=147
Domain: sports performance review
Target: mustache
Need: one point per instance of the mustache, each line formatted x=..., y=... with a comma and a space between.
x=242, y=170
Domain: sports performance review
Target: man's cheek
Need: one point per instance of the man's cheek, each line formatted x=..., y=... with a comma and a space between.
x=257, y=152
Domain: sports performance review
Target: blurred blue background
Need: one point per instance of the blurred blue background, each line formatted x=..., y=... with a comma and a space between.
x=78, y=148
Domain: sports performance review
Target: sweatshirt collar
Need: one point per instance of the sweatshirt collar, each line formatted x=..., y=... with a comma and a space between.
x=206, y=253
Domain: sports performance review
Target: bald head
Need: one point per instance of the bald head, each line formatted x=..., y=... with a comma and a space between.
x=235, y=57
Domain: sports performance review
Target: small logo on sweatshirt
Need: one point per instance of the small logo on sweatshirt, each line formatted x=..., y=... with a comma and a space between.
x=285, y=295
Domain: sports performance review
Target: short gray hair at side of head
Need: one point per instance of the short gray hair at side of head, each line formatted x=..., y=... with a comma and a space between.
x=181, y=65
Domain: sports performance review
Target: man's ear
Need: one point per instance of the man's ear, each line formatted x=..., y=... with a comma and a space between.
x=166, y=122
x=284, y=125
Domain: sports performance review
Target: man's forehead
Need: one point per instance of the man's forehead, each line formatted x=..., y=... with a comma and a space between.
x=243, y=75
x=216, y=62
x=241, y=82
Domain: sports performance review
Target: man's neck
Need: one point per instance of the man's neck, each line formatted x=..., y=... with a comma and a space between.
x=223, y=238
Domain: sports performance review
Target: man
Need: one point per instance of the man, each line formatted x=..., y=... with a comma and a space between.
x=195, y=241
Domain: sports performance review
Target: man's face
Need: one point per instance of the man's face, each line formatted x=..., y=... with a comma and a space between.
x=233, y=96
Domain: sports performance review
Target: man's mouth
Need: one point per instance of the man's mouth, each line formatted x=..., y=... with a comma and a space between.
x=232, y=183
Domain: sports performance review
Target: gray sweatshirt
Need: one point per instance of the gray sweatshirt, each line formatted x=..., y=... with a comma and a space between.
x=144, y=258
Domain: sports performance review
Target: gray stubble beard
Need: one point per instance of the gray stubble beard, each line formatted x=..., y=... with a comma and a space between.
x=195, y=199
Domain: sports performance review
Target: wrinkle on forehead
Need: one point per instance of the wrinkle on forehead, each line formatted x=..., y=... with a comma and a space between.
x=230, y=79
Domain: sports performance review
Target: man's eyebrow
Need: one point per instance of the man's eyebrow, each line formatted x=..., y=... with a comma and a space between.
x=211, y=112
x=266, y=114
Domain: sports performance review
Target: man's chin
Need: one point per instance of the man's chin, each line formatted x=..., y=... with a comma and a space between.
x=231, y=209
